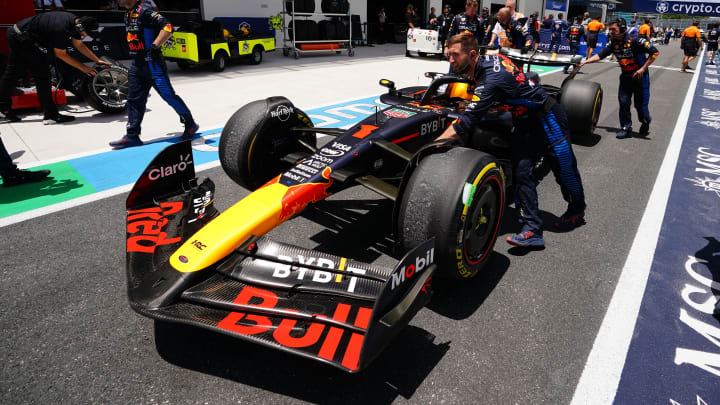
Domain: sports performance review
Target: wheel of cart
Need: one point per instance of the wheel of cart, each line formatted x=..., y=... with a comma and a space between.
x=351, y=53
x=220, y=60
x=258, y=143
x=257, y=55
x=456, y=196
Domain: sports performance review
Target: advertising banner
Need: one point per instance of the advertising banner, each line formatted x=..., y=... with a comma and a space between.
x=705, y=8
x=556, y=5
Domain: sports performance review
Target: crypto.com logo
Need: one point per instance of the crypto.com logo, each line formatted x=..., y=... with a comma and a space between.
x=662, y=7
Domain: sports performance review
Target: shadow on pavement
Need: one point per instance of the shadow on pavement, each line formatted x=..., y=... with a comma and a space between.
x=29, y=191
x=589, y=140
x=398, y=371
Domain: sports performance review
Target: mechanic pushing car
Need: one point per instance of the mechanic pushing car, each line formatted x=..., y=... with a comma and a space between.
x=34, y=43
x=541, y=131
x=147, y=31
x=469, y=22
x=634, y=55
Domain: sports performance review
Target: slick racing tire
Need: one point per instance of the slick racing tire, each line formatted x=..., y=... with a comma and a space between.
x=107, y=91
x=582, y=101
x=257, y=137
x=458, y=198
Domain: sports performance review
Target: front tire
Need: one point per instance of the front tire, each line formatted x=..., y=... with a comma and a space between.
x=458, y=198
x=257, y=56
x=582, y=101
x=258, y=136
x=220, y=61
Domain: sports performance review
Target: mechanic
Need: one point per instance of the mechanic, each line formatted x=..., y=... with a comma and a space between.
x=530, y=31
x=574, y=34
x=559, y=25
x=633, y=29
x=442, y=22
x=34, y=44
x=469, y=21
x=518, y=37
x=634, y=77
x=712, y=40
x=541, y=129
x=486, y=27
x=645, y=30
x=147, y=31
x=12, y=176
x=431, y=19
x=501, y=31
x=592, y=32
x=691, y=43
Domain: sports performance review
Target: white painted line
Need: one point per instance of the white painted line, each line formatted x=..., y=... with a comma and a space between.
x=76, y=202
x=603, y=369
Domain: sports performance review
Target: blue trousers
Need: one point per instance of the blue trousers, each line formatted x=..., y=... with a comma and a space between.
x=547, y=138
x=555, y=41
x=638, y=88
x=144, y=75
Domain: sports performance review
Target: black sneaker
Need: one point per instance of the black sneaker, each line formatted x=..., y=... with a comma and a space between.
x=644, y=128
x=17, y=177
x=57, y=119
x=126, y=142
x=569, y=221
x=10, y=116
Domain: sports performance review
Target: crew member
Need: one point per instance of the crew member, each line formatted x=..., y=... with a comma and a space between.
x=592, y=32
x=501, y=31
x=586, y=20
x=518, y=37
x=633, y=29
x=34, y=43
x=469, y=21
x=634, y=55
x=668, y=35
x=443, y=22
x=147, y=31
x=712, y=40
x=691, y=43
x=541, y=130
x=486, y=27
x=12, y=176
x=410, y=16
x=432, y=18
x=530, y=31
x=559, y=25
x=645, y=30
x=574, y=34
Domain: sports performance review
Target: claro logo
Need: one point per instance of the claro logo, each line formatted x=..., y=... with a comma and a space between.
x=166, y=171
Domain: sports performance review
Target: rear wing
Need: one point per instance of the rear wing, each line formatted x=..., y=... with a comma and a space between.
x=313, y=304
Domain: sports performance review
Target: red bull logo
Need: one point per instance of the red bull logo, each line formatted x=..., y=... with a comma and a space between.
x=131, y=37
x=297, y=197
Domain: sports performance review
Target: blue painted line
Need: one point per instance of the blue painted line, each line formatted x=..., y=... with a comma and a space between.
x=674, y=356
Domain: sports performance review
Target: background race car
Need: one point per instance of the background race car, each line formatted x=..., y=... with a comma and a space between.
x=206, y=42
x=423, y=42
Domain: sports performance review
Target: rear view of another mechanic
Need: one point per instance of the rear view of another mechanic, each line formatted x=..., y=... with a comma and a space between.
x=634, y=55
x=541, y=130
x=147, y=31
x=34, y=43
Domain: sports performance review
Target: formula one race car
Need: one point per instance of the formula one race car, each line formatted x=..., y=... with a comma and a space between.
x=187, y=264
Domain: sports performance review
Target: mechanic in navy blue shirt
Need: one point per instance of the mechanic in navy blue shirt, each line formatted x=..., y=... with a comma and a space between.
x=574, y=34
x=34, y=44
x=147, y=31
x=541, y=130
x=712, y=41
x=469, y=21
x=558, y=26
x=634, y=55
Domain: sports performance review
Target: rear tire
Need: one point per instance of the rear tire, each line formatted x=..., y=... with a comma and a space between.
x=582, y=101
x=258, y=136
x=257, y=55
x=220, y=61
x=184, y=66
x=433, y=205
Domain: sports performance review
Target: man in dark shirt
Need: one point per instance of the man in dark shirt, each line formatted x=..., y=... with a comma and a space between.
x=147, y=31
x=712, y=41
x=541, y=130
x=469, y=21
x=634, y=55
x=559, y=25
x=443, y=22
x=574, y=34
x=12, y=176
x=431, y=19
x=34, y=42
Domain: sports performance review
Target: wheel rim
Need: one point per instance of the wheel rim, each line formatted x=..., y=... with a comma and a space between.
x=483, y=221
x=111, y=86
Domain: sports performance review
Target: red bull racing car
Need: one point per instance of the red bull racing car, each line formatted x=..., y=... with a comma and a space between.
x=187, y=263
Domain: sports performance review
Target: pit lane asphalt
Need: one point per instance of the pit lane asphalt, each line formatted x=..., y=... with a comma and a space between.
x=520, y=333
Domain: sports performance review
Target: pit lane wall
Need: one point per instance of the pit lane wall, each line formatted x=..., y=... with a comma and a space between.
x=674, y=355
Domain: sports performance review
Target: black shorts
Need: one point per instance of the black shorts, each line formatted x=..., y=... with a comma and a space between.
x=712, y=46
x=592, y=41
x=690, y=51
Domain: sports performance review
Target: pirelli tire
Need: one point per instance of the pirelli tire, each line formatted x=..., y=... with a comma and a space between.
x=457, y=197
x=257, y=137
x=107, y=91
x=582, y=102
